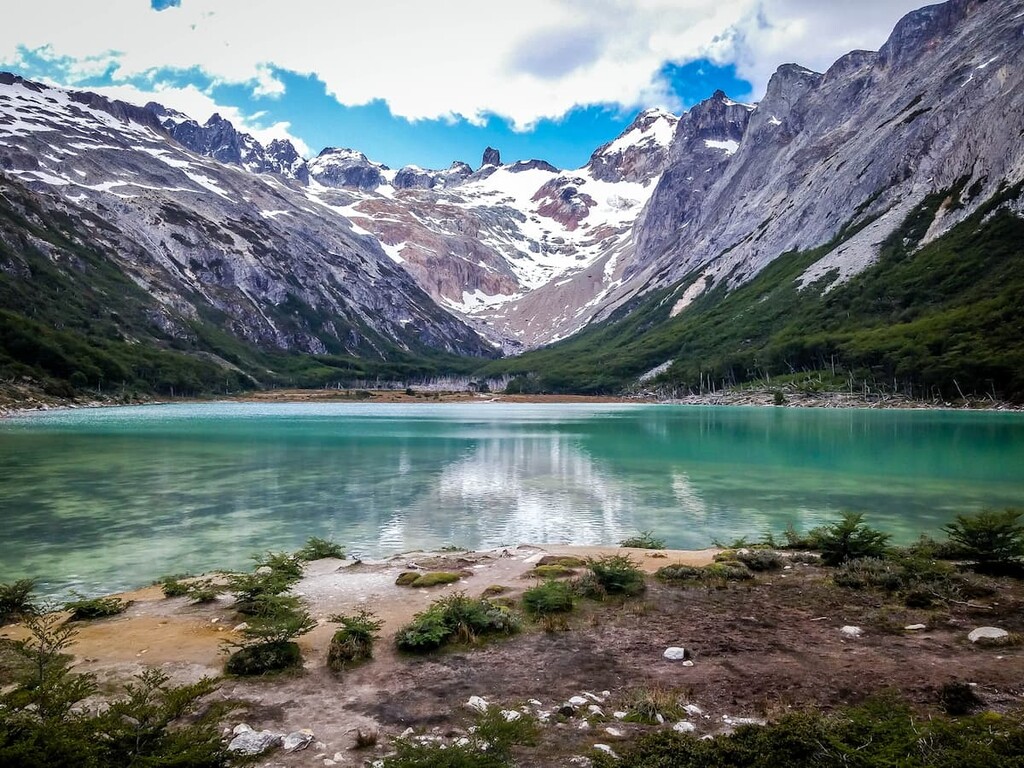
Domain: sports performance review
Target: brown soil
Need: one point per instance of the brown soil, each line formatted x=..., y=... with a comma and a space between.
x=758, y=648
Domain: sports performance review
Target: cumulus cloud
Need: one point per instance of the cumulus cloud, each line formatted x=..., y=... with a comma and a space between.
x=524, y=61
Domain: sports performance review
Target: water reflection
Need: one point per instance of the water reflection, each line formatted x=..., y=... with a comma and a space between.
x=118, y=497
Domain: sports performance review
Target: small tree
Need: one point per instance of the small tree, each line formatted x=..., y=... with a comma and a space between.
x=354, y=641
x=850, y=539
x=989, y=538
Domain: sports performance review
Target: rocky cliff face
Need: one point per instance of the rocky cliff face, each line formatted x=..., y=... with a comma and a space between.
x=208, y=240
x=860, y=146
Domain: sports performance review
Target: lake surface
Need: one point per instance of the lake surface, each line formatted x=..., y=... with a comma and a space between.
x=95, y=500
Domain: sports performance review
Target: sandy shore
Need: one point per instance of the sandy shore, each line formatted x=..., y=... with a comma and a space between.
x=759, y=648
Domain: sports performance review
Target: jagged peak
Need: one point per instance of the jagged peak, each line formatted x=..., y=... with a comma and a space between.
x=917, y=29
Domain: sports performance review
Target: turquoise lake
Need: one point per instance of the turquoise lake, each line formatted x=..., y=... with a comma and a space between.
x=102, y=499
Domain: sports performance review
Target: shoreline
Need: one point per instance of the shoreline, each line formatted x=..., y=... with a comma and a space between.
x=756, y=649
x=756, y=398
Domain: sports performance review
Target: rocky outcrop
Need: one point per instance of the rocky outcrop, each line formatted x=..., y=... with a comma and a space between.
x=561, y=199
x=414, y=177
x=347, y=168
x=640, y=153
x=491, y=157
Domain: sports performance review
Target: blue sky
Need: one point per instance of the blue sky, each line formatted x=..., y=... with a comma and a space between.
x=412, y=81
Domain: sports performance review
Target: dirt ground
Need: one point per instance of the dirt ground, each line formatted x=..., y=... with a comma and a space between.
x=758, y=648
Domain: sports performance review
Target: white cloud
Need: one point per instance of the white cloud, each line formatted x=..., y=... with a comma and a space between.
x=525, y=60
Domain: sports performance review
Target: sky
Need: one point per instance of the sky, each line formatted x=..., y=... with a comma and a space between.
x=426, y=82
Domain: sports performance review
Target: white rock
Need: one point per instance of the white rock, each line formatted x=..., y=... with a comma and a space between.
x=241, y=728
x=613, y=732
x=578, y=701
x=915, y=627
x=407, y=733
x=684, y=727
x=595, y=710
x=659, y=719
x=477, y=703
x=255, y=742
x=987, y=633
x=511, y=715
x=687, y=663
x=693, y=710
x=851, y=632
x=594, y=697
x=328, y=762
x=297, y=740
x=607, y=750
x=583, y=725
x=535, y=703
x=240, y=627
x=264, y=570
x=674, y=653
x=620, y=715
x=580, y=760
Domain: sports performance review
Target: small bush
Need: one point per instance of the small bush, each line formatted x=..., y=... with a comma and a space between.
x=264, y=658
x=851, y=539
x=547, y=598
x=567, y=560
x=96, y=608
x=365, y=740
x=617, y=574
x=989, y=538
x=867, y=573
x=589, y=586
x=643, y=540
x=803, y=541
x=16, y=600
x=644, y=705
x=550, y=572
x=434, y=579
x=281, y=564
x=203, y=591
x=723, y=571
x=761, y=559
x=354, y=641
x=455, y=618
x=174, y=588
x=316, y=548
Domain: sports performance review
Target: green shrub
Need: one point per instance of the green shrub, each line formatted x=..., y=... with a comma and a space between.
x=96, y=608
x=881, y=732
x=490, y=745
x=435, y=578
x=354, y=641
x=550, y=572
x=317, y=549
x=268, y=645
x=723, y=571
x=850, y=539
x=16, y=600
x=761, y=559
x=283, y=565
x=174, y=588
x=989, y=538
x=589, y=586
x=803, y=541
x=869, y=572
x=617, y=574
x=643, y=540
x=549, y=597
x=43, y=721
x=455, y=618
x=264, y=658
x=567, y=560
x=647, y=705
x=262, y=594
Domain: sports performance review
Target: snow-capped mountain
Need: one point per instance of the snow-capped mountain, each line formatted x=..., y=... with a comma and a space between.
x=524, y=252
x=204, y=237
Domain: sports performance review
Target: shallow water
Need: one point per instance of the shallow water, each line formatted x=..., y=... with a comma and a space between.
x=95, y=500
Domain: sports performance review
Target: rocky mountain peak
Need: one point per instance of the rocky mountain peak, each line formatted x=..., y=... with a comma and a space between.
x=922, y=30
x=639, y=153
x=343, y=167
x=491, y=157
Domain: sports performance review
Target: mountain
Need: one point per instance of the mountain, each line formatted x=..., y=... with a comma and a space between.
x=209, y=247
x=734, y=241
x=866, y=220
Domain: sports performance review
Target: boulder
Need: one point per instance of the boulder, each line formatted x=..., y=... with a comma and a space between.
x=297, y=740
x=254, y=743
x=675, y=654
x=851, y=632
x=477, y=703
x=684, y=727
x=988, y=635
